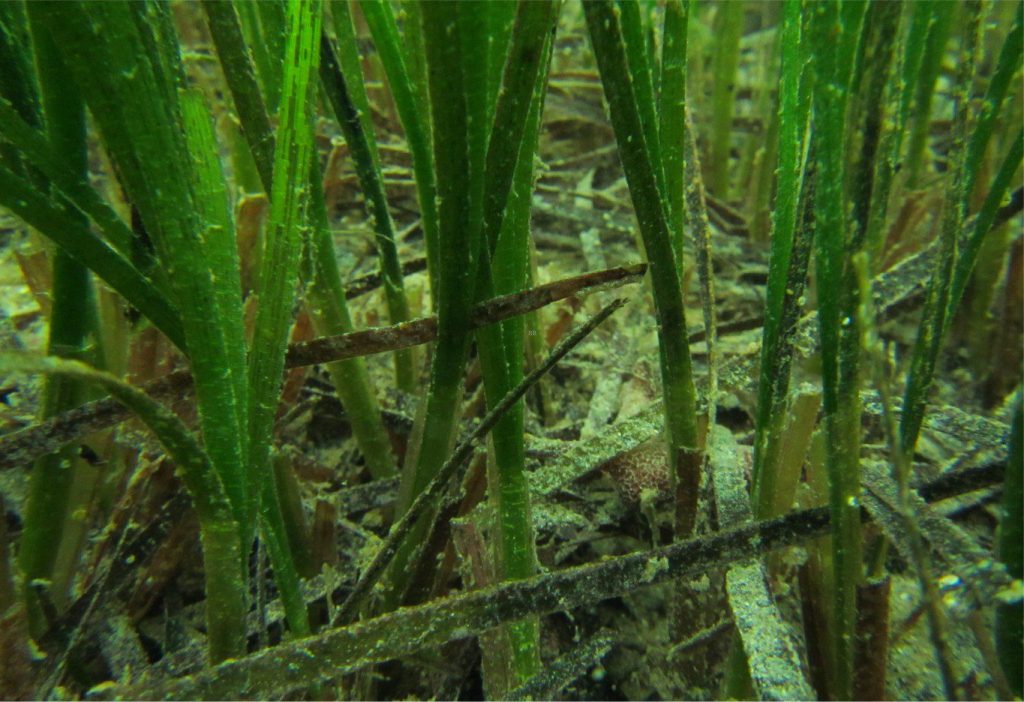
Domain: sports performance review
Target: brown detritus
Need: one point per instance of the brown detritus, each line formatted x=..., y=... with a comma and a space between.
x=151, y=356
x=322, y=546
x=477, y=572
x=111, y=577
x=295, y=378
x=37, y=272
x=323, y=551
x=296, y=525
x=339, y=190
x=164, y=565
x=688, y=466
x=251, y=212
x=473, y=491
x=813, y=606
x=696, y=602
x=1008, y=332
x=17, y=674
x=871, y=652
x=7, y=589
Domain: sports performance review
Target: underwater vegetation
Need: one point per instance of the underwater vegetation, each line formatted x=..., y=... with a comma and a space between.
x=378, y=349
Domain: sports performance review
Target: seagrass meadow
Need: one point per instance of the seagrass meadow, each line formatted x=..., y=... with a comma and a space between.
x=617, y=349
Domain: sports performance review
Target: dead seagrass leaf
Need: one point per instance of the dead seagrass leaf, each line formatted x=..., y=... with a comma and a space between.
x=17, y=674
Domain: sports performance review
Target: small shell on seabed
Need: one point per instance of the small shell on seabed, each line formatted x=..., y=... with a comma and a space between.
x=643, y=468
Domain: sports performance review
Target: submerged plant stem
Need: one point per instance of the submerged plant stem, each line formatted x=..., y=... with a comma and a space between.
x=674, y=352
